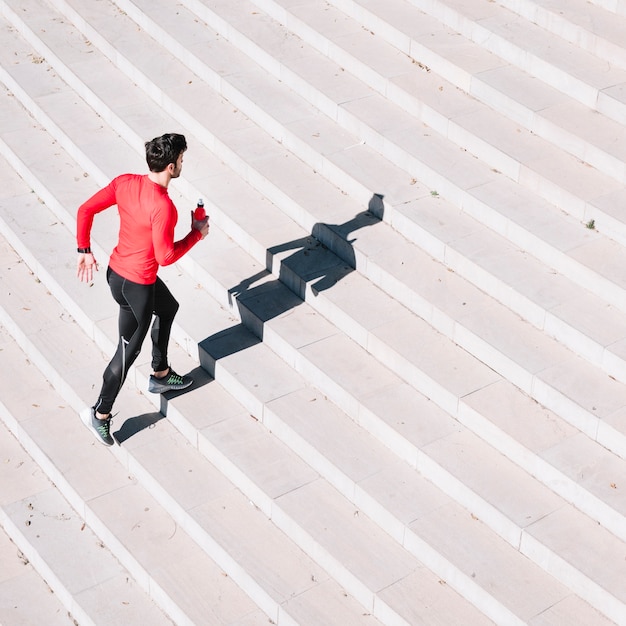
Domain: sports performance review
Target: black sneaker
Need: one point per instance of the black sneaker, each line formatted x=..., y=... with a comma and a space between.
x=99, y=428
x=170, y=382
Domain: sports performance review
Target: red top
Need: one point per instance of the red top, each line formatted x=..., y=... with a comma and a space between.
x=147, y=221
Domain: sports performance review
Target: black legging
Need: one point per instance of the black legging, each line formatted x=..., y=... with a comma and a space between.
x=137, y=304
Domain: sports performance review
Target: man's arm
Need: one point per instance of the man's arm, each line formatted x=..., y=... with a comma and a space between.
x=100, y=201
x=166, y=250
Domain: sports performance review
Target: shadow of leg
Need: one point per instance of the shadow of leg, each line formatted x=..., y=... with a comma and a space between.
x=133, y=425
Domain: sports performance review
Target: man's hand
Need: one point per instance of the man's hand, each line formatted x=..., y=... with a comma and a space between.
x=85, y=266
x=201, y=225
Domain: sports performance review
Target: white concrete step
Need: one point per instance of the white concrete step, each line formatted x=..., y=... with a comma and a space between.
x=160, y=555
x=55, y=570
x=25, y=596
x=592, y=26
x=409, y=498
x=616, y=6
x=576, y=72
x=343, y=46
x=459, y=71
x=206, y=514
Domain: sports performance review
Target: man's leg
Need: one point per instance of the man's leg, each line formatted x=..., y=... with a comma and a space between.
x=165, y=308
x=136, y=304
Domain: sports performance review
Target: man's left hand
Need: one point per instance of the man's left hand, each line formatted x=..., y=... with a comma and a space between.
x=85, y=267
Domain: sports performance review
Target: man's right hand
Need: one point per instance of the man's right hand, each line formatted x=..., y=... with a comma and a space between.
x=201, y=225
x=85, y=267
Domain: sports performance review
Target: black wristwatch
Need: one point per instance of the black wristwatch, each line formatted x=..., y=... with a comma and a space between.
x=83, y=250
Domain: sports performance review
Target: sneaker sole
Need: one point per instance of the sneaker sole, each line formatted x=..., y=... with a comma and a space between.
x=166, y=388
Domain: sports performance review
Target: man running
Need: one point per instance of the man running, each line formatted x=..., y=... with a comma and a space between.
x=146, y=240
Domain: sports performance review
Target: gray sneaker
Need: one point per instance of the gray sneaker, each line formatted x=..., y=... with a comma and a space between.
x=171, y=382
x=99, y=428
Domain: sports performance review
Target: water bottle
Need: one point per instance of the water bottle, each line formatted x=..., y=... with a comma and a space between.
x=199, y=213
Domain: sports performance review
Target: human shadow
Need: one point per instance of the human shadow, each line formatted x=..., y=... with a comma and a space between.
x=317, y=262
x=327, y=255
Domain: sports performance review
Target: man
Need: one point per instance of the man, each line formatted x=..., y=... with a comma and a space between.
x=146, y=241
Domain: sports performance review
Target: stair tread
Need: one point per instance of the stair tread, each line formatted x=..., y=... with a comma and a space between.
x=26, y=597
x=427, y=87
x=597, y=22
x=502, y=23
x=56, y=541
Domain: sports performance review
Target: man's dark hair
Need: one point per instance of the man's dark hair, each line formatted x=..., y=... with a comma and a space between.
x=161, y=151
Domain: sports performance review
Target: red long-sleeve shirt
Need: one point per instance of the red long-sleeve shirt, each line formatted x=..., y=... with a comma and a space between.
x=147, y=221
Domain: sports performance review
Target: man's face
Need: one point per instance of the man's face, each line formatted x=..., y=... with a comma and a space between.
x=178, y=166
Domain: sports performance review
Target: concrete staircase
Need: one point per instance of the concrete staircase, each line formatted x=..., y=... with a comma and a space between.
x=407, y=326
